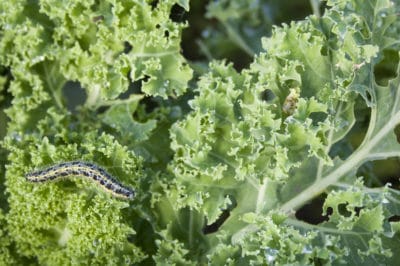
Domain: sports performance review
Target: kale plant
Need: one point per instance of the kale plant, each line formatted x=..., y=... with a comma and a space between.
x=254, y=132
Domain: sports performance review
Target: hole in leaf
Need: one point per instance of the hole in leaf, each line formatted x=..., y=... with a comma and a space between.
x=357, y=210
x=342, y=208
x=397, y=132
x=74, y=95
x=178, y=14
x=149, y=105
x=344, y=211
x=154, y=4
x=212, y=228
x=134, y=88
x=312, y=212
x=329, y=211
x=166, y=34
x=386, y=69
x=318, y=117
x=146, y=78
x=380, y=172
x=267, y=95
x=324, y=50
x=127, y=47
x=394, y=218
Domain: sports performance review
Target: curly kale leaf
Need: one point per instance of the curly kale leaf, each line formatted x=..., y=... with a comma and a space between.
x=241, y=151
x=216, y=184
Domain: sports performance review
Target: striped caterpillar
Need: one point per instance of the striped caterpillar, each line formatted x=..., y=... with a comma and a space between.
x=89, y=170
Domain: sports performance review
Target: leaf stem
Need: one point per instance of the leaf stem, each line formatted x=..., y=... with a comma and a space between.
x=54, y=86
x=319, y=186
x=260, y=198
x=352, y=163
x=237, y=39
x=321, y=228
x=93, y=97
x=315, y=7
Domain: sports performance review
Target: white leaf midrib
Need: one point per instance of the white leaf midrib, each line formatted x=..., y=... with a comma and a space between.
x=353, y=162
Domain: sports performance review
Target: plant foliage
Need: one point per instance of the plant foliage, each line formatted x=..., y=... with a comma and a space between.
x=223, y=160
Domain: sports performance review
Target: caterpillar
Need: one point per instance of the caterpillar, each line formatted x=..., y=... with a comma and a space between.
x=290, y=103
x=85, y=169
